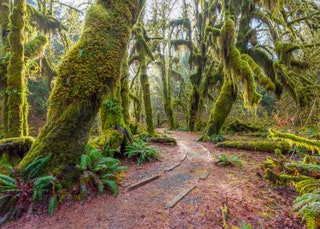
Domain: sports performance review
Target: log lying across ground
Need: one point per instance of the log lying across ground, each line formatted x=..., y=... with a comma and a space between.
x=15, y=148
x=164, y=140
x=259, y=145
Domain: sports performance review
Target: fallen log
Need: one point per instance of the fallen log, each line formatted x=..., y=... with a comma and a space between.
x=15, y=148
x=164, y=140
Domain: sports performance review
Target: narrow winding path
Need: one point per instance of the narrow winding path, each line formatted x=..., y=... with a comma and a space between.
x=187, y=190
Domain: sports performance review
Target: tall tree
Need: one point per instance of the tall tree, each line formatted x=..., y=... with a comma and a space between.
x=16, y=82
x=143, y=53
x=84, y=77
x=4, y=20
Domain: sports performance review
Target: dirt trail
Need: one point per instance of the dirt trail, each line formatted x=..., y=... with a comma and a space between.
x=189, y=166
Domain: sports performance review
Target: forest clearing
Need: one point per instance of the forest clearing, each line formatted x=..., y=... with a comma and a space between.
x=160, y=114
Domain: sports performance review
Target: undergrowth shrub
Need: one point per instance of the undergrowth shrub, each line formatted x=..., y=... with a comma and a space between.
x=232, y=160
x=20, y=192
x=216, y=138
x=141, y=151
x=100, y=171
x=302, y=174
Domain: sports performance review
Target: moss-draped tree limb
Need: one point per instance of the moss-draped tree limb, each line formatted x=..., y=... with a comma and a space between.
x=85, y=75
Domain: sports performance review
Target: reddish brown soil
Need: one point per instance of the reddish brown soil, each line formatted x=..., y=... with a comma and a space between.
x=247, y=196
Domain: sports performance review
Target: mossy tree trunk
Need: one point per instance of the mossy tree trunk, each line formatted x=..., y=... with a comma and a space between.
x=144, y=53
x=86, y=74
x=238, y=69
x=145, y=86
x=125, y=100
x=16, y=82
x=222, y=108
x=199, y=60
x=167, y=89
x=4, y=23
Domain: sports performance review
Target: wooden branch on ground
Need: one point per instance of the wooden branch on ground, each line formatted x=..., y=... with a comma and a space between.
x=177, y=198
x=143, y=182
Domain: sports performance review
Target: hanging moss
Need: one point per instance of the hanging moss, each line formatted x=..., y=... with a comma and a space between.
x=262, y=79
x=45, y=23
x=35, y=47
x=84, y=77
x=181, y=21
x=16, y=88
x=211, y=30
x=265, y=61
x=179, y=42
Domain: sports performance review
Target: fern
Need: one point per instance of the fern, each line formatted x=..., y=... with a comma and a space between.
x=52, y=204
x=307, y=185
x=112, y=185
x=232, y=160
x=7, y=183
x=99, y=170
x=40, y=185
x=35, y=167
x=308, y=206
x=18, y=192
x=141, y=151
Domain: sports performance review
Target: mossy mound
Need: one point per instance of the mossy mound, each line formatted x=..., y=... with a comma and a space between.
x=258, y=145
x=242, y=126
x=15, y=148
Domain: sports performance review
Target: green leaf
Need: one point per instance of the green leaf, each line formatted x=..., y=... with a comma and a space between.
x=112, y=185
x=52, y=204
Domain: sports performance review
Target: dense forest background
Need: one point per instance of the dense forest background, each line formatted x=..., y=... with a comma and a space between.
x=74, y=72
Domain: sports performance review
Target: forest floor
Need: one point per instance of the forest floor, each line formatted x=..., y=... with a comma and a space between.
x=189, y=166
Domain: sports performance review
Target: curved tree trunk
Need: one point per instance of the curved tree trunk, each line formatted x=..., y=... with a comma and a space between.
x=84, y=77
x=222, y=108
x=16, y=82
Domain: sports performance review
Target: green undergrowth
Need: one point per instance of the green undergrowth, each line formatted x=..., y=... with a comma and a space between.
x=26, y=190
x=301, y=173
x=98, y=171
x=142, y=151
x=232, y=160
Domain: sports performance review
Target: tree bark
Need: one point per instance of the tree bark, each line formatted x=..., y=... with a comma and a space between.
x=16, y=82
x=87, y=72
x=222, y=108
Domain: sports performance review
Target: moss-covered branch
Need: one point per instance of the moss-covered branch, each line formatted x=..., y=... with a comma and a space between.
x=35, y=47
x=16, y=148
x=262, y=146
x=313, y=145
